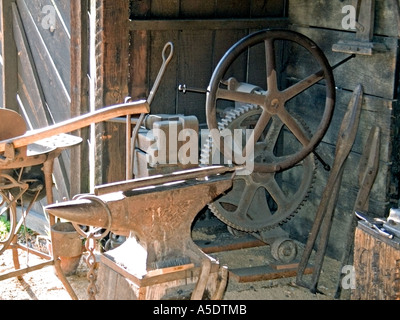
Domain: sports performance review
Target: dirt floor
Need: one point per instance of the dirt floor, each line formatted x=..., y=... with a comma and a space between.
x=44, y=285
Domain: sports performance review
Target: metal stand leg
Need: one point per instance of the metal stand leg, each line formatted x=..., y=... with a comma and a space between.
x=48, y=171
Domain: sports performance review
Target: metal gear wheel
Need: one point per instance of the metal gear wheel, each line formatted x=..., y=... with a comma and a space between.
x=262, y=200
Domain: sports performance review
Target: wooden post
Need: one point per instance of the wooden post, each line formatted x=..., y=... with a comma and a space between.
x=79, y=92
x=10, y=62
x=112, y=85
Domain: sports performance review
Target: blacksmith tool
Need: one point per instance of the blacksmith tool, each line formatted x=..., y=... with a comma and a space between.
x=324, y=215
x=374, y=223
x=368, y=169
x=157, y=215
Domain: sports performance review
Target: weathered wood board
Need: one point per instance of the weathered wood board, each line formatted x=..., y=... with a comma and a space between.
x=328, y=14
x=38, y=103
x=377, y=73
x=55, y=90
x=376, y=262
x=40, y=31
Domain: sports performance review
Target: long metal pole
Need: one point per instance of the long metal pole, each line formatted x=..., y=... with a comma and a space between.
x=70, y=125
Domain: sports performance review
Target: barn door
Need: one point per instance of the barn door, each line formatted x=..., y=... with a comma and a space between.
x=38, y=57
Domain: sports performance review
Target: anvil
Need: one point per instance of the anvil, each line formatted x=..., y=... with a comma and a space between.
x=155, y=212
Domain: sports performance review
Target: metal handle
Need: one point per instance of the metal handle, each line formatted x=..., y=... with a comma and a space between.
x=130, y=146
x=166, y=59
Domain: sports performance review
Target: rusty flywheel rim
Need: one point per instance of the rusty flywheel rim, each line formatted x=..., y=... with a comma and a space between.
x=257, y=202
x=273, y=100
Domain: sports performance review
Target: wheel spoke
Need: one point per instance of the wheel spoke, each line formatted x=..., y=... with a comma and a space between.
x=302, y=85
x=238, y=96
x=276, y=192
x=262, y=122
x=293, y=126
x=249, y=146
x=273, y=134
x=246, y=200
x=272, y=79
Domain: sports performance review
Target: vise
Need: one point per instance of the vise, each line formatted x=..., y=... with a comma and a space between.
x=156, y=214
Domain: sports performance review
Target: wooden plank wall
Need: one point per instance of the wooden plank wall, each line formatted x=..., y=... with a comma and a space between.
x=44, y=73
x=79, y=22
x=213, y=28
x=322, y=22
x=112, y=75
x=36, y=37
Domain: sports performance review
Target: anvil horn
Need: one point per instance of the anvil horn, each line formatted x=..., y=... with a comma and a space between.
x=82, y=211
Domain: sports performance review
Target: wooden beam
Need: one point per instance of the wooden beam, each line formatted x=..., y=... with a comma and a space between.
x=207, y=24
x=10, y=61
x=79, y=92
x=113, y=72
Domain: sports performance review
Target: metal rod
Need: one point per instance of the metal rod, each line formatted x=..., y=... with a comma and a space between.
x=326, y=166
x=196, y=173
x=343, y=61
x=104, y=114
x=183, y=88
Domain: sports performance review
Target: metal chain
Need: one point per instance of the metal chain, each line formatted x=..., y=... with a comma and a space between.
x=91, y=262
x=91, y=237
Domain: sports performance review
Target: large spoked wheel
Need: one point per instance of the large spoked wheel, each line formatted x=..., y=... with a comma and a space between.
x=273, y=100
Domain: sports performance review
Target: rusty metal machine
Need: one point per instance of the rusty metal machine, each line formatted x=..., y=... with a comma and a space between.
x=155, y=213
x=160, y=135
x=260, y=203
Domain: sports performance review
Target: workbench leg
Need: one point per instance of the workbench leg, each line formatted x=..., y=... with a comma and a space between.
x=48, y=175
